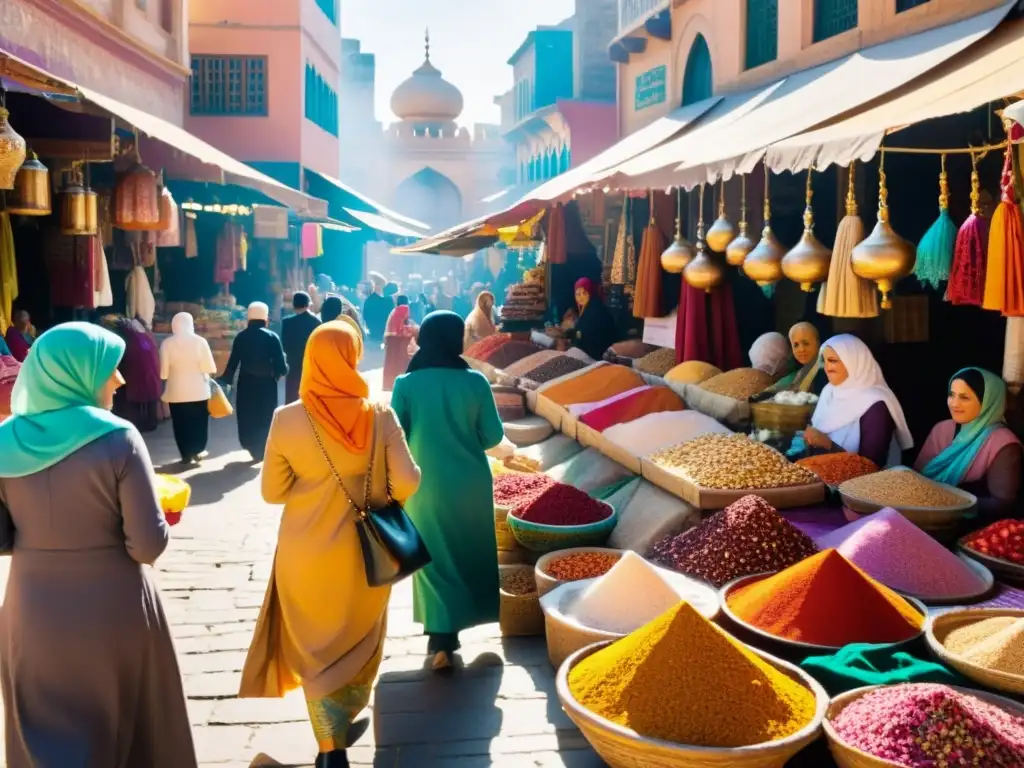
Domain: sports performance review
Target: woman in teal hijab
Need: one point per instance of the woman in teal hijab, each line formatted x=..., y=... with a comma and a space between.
x=974, y=449
x=62, y=398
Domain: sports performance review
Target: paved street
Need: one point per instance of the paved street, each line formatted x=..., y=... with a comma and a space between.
x=501, y=710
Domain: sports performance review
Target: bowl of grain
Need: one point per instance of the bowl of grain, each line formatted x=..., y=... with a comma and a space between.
x=557, y=568
x=985, y=645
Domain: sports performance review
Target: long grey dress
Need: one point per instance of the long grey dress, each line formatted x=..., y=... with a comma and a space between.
x=87, y=665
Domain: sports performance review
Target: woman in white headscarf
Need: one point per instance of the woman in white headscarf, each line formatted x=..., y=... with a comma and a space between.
x=857, y=412
x=258, y=358
x=770, y=353
x=186, y=364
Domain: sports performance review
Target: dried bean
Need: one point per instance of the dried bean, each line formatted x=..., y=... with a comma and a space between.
x=901, y=488
x=731, y=462
x=739, y=384
x=519, y=582
x=657, y=363
x=581, y=565
x=554, y=369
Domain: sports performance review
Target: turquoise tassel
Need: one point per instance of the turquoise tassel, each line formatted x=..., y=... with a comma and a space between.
x=768, y=290
x=935, y=252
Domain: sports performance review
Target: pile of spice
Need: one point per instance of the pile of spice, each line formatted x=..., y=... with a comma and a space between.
x=826, y=600
x=901, y=488
x=511, y=352
x=555, y=368
x=560, y=504
x=893, y=550
x=746, y=538
x=739, y=384
x=682, y=679
x=513, y=489
x=521, y=367
x=996, y=644
x=731, y=462
x=487, y=346
x=581, y=565
x=837, y=468
x=518, y=582
x=923, y=725
x=1004, y=540
x=656, y=363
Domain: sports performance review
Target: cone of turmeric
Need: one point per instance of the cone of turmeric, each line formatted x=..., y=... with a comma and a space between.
x=682, y=679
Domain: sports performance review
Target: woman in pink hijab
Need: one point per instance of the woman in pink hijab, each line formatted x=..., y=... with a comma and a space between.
x=20, y=335
x=398, y=335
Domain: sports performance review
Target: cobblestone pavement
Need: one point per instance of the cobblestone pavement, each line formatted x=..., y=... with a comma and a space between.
x=500, y=710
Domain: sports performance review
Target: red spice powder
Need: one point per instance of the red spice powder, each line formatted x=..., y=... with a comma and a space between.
x=487, y=346
x=562, y=504
x=513, y=488
x=826, y=600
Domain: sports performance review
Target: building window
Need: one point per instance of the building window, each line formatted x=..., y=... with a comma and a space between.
x=321, y=101
x=698, y=78
x=329, y=8
x=762, y=32
x=906, y=5
x=229, y=85
x=833, y=17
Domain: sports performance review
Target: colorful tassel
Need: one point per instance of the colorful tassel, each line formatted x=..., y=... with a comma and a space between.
x=1004, y=278
x=935, y=251
x=967, y=273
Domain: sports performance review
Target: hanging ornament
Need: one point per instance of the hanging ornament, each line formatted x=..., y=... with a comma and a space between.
x=1004, y=278
x=137, y=197
x=808, y=261
x=79, y=207
x=764, y=264
x=967, y=273
x=935, y=251
x=703, y=273
x=738, y=250
x=884, y=257
x=681, y=251
x=12, y=151
x=844, y=294
x=31, y=195
x=722, y=231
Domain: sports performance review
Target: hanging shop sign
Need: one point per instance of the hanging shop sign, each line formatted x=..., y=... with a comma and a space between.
x=660, y=331
x=651, y=88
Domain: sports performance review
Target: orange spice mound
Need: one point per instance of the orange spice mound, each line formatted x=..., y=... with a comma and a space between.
x=826, y=600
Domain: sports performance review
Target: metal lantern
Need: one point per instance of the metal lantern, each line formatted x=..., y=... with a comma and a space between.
x=738, y=250
x=884, y=257
x=704, y=272
x=764, y=263
x=79, y=207
x=807, y=263
x=680, y=251
x=12, y=151
x=722, y=231
x=31, y=195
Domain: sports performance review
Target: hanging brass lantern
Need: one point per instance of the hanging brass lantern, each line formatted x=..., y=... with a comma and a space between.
x=736, y=252
x=704, y=272
x=680, y=251
x=722, y=231
x=764, y=263
x=12, y=151
x=31, y=195
x=884, y=257
x=807, y=263
x=79, y=208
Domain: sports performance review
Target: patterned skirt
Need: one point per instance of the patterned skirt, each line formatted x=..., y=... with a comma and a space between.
x=332, y=715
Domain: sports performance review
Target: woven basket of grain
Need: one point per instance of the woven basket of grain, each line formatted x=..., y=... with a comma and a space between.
x=506, y=540
x=622, y=747
x=787, y=419
x=519, y=615
x=938, y=630
x=847, y=756
x=547, y=583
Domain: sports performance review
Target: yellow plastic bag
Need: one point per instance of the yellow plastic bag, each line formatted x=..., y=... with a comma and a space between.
x=174, y=495
x=219, y=405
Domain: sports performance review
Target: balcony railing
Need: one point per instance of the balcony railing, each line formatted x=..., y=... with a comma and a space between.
x=633, y=11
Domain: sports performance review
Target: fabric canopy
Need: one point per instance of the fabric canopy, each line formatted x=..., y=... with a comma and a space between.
x=358, y=201
x=989, y=71
x=383, y=224
x=804, y=101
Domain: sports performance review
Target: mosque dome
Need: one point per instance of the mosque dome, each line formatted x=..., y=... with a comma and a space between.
x=426, y=97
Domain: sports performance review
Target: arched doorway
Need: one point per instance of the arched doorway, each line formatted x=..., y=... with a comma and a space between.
x=698, y=77
x=430, y=197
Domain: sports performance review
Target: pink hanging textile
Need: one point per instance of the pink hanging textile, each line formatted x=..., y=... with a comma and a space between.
x=311, y=241
x=228, y=256
x=691, y=326
x=719, y=343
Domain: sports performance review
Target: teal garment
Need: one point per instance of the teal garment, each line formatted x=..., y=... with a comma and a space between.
x=952, y=465
x=861, y=664
x=53, y=404
x=450, y=419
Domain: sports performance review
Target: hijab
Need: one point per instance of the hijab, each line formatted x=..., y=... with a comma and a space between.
x=588, y=285
x=397, y=320
x=840, y=407
x=952, y=465
x=331, y=309
x=332, y=390
x=54, y=403
x=770, y=353
x=183, y=326
x=481, y=320
x=440, y=343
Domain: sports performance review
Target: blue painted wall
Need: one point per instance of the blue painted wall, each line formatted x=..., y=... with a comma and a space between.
x=554, y=76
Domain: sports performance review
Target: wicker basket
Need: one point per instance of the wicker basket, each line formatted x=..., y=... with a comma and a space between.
x=851, y=757
x=939, y=628
x=519, y=615
x=777, y=417
x=624, y=748
x=546, y=583
x=506, y=540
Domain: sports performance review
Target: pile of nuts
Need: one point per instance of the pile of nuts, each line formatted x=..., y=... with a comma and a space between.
x=739, y=384
x=518, y=582
x=731, y=462
x=901, y=488
x=581, y=565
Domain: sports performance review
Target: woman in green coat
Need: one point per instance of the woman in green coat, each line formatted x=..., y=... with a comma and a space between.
x=450, y=420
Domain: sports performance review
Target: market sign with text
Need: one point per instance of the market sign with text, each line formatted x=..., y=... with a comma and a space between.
x=650, y=88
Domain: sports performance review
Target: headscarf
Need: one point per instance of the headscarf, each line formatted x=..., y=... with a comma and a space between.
x=480, y=321
x=258, y=311
x=588, y=285
x=54, y=403
x=397, y=320
x=840, y=408
x=331, y=388
x=331, y=309
x=770, y=353
x=952, y=465
x=183, y=326
x=440, y=343
x=803, y=380
x=351, y=323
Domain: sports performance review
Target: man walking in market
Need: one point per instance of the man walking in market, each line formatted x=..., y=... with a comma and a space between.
x=295, y=332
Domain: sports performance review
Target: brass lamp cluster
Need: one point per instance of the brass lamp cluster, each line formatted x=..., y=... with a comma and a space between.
x=764, y=264
x=704, y=272
x=722, y=231
x=680, y=251
x=738, y=250
x=807, y=263
x=79, y=206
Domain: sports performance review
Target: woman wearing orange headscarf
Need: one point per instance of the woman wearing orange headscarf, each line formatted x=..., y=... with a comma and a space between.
x=321, y=626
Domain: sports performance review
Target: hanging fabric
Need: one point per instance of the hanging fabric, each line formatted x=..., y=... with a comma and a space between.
x=139, y=299
x=1004, y=278
x=8, y=273
x=624, y=258
x=227, y=256
x=104, y=292
x=309, y=240
x=726, y=353
x=845, y=294
x=191, y=242
x=967, y=273
x=647, y=300
x=106, y=220
x=935, y=251
x=557, y=236
x=170, y=221
x=1013, y=354
x=243, y=249
x=70, y=266
x=692, y=325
